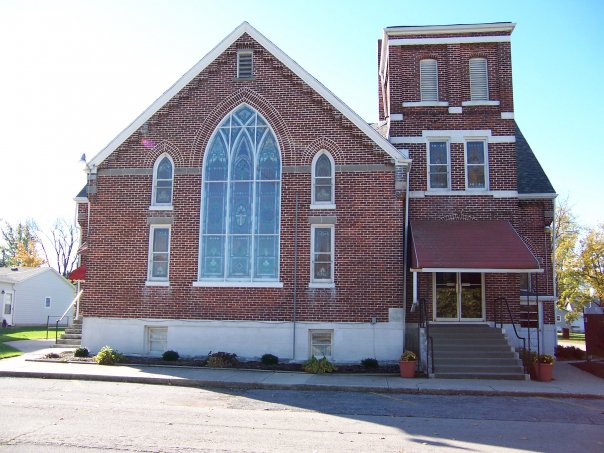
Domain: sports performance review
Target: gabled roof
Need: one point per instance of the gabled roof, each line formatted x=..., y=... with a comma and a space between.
x=21, y=274
x=245, y=27
x=531, y=179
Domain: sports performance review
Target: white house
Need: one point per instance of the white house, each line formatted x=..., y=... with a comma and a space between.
x=28, y=296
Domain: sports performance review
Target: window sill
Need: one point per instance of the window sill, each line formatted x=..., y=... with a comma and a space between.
x=426, y=104
x=153, y=283
x=322, y=285
x=223, y=284
x=161, y=208
x=476, y=103
x=323, y=206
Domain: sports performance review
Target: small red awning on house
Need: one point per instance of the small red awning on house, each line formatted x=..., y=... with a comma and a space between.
x=469, y=246
x=78, y=274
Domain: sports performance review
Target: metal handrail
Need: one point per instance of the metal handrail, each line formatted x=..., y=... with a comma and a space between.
x=75, y=300
x=48, y=324
x=423, y=322
x=499, y=317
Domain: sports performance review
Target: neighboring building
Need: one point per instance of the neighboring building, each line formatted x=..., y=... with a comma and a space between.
x=576, y=325
x=249, y=210
x=30, y=295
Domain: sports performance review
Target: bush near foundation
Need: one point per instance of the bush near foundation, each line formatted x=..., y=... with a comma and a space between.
x=81, y=352
x=108, y=356
x=270, y=359
x=170, y=356
x=222, y=360
x=318, y=366
x=370, y=363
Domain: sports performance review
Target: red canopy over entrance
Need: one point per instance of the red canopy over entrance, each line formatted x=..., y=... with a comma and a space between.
x=469, y=246
x=78, y=274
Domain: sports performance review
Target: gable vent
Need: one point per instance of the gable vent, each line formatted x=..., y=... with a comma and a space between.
x=479, y=81
x=244, y=65
x=428, y=80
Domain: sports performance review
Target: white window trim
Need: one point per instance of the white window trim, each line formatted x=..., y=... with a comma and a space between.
x=50, y=302
x=236, y=284
x=310, y=342
x=486, y=164
x=154, y=204
x=239, y=54
x=322, y=283
x=438, y=189
x=323, y=204
x=426, y=104
x=155, y=281
x=476, y=103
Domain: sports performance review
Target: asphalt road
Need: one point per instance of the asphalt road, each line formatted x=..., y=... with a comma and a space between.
x=65, y=416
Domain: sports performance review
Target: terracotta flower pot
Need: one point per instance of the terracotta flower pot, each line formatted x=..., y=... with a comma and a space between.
x=544, y=371
x=407, y=368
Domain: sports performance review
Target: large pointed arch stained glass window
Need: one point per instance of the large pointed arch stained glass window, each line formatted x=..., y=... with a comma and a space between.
x=241, y=199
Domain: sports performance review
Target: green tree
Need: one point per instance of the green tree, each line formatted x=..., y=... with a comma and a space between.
x=591, y=258
x=572, y=287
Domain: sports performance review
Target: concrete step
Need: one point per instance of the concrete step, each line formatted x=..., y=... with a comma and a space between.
x=62, y=343
x=471, y=349
x=73, y=331
x=470, y=335
x=481, y=369
x=71, y=336
x=497, y=376
x=483, y=361
x=463, y=354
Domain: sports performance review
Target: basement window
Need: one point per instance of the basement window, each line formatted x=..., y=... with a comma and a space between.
x=157, y=340
x=321, y=343
x=244, y=64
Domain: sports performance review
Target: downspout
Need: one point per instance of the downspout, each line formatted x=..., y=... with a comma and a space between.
x=554, y=273
x=405, y=243
x=295, y=280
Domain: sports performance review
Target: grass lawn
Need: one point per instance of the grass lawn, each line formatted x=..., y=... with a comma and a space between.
x=21, y=333
x=575, y=337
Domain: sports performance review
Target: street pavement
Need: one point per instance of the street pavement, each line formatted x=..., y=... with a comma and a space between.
x=569, y=381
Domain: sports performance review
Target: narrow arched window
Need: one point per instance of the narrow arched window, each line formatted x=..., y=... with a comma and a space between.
x=163, y=181
x=323, y=181
x=240, y=201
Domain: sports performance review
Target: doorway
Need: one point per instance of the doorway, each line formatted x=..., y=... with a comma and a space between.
x=7, y=308
x=458, y=296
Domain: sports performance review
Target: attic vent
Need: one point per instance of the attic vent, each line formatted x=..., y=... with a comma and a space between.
x=428, y=80
x=479, y=81
x=244, y=64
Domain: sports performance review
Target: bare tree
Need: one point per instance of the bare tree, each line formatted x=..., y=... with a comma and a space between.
x=63, y=240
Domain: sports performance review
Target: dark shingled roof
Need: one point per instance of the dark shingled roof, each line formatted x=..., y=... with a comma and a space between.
x=82, y=193
x=529, y=174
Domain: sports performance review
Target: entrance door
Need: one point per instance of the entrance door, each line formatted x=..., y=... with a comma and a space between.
x=7, y=309
x=458, y=296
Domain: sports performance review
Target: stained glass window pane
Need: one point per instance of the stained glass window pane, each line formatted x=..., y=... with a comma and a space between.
x=161, y=239
x=241, y=208
x=215, y=208
x=475, y=152
x=212, y=265
x=244, y=114
x=239, y=259
x=476, y=177
x=268, y=160
x=323, y=166
x=242, y=161
x=438, y=153
x=164, y=169
x=322, y=240
x=267, y=208
x=216, y=162
x=266, y=257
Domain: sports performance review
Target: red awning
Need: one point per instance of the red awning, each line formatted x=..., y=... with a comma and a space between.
x=78, y=274
x=469, y=246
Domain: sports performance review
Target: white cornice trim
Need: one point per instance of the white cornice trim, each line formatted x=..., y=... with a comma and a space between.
x=475, y=103
x=245, y=27
x=81, y=199
x=485, y=270
x=537, y=196
x=444, y=41
x=454, y=136
x=505, y=27
x=463, y=193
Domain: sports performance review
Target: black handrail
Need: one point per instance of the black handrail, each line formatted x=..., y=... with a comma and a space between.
x=498, y=316
x=423, y=322
x=56, y=325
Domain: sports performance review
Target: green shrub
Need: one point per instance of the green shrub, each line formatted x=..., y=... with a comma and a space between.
x=270, y=359
x=108, y=356
x=222, y=360
x=370, y=363
x=81, y=352
x=529, y=358
x=569, y=352
x=170, y=356
x=318, y=366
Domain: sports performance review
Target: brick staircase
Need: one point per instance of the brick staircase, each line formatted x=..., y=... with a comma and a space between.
x=465, y=351
x=72, y=338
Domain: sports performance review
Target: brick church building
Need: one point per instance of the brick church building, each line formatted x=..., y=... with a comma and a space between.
x=250, y=210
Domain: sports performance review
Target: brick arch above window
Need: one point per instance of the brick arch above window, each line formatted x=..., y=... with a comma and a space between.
x=318, y=145
x=164, y=147
x=229, y=104
x=457, y=216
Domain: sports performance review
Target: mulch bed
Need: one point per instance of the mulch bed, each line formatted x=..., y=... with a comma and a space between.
x=595, y=367
x=67, y=356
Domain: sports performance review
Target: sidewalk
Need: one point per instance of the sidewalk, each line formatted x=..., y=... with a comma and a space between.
x=569, y=381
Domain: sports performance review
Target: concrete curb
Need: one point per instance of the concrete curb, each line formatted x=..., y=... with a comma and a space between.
x=197, y=383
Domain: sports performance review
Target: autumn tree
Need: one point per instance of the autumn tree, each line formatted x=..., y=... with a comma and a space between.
x=28, y=256
x=23, y=234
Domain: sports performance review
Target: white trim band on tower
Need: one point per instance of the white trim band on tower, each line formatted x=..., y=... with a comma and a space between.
x=444, y=41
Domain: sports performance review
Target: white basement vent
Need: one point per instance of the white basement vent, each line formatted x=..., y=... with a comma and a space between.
x=244, y=65
x=479, y=80
x=428, y=80
x=157, y=340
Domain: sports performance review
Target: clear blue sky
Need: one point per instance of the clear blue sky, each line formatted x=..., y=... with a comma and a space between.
x=75, y=73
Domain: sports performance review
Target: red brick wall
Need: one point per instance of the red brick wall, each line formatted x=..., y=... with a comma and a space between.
x=368, y=233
